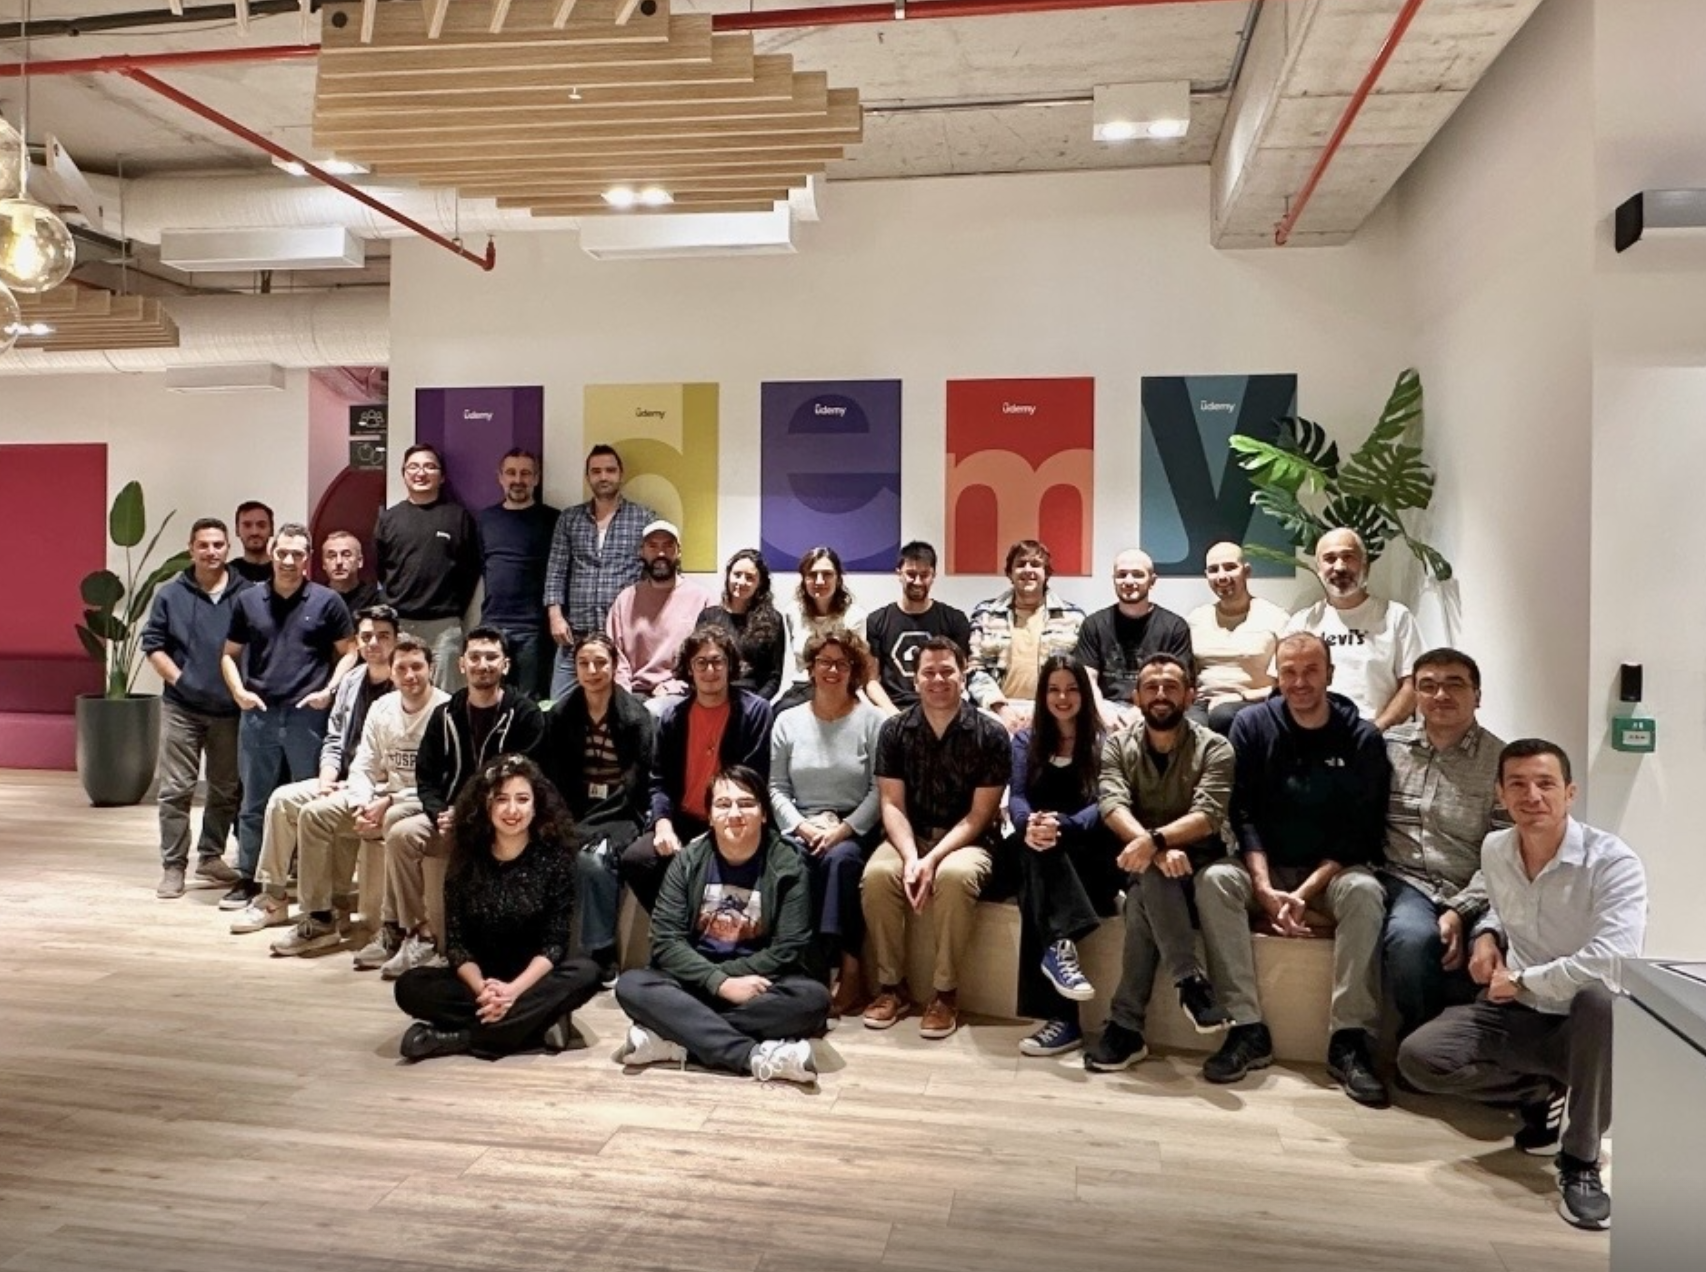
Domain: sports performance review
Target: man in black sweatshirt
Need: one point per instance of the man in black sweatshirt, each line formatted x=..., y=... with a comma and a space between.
x=477, y=725
x=429, y=561
x=1309, y=793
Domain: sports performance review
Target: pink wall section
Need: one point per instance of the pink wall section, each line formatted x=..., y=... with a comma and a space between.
x=53, y=511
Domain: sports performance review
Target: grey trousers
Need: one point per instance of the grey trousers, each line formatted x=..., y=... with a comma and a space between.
x=185, y=736
x=444, y=637
x=1226, y=897
x=1503, y=1053
x=1158, y=935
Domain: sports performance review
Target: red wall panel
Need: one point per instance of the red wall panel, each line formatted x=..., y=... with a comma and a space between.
x=53, y=523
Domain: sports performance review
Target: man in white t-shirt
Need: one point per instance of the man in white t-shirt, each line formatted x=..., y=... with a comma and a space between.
x=1233, y=640
x=1374, y=641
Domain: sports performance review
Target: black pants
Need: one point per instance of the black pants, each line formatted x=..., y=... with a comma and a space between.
x=718, y=1034
x=642, y=868
x=1218, y=719
x=1064, y=894
x=442, y=999
x=836, y=902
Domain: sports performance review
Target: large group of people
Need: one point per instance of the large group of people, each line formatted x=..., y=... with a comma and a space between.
x=785, y=786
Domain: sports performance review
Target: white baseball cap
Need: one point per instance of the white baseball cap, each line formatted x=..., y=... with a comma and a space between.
x=668, y=527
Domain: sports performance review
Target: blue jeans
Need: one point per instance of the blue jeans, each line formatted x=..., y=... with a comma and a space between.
x=563, y=676
x=526, y=674
x=275, y=746
x=1410, y=950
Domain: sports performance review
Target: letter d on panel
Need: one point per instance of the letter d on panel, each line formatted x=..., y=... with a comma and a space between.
x=667, y=437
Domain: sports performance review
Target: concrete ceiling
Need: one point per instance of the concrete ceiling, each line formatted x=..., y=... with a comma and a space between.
x=952, y=96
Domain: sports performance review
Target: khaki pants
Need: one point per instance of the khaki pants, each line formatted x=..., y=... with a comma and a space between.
x=959, y=881
x=326, y=848
x=281, y=836
x=410, y=838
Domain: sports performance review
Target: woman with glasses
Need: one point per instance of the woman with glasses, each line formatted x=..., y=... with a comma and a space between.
x=822, y=603
x=598, y=755
x=823, y=789
x=730, y=984
x=508, y=897
x=749, y=612
x=1065, y=858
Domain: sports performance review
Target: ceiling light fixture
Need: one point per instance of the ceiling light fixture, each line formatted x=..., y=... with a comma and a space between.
x=656, y=197
x=337, y=167
x=36, y=249
x=1125, y=112
x=621, y=197
x=11, y=319
x=624, y=197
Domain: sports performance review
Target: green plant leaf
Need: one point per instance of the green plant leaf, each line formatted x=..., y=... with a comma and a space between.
x=102, y=590
x=128, y=520
x=142, y=599
x=1375, y=524
x=1393, y=476
x=105, y=624
x=1403, y=409
x=1301, y=526
x=1262, y=552
x=1433, y=561
x=93, y=645
x=1281, y=467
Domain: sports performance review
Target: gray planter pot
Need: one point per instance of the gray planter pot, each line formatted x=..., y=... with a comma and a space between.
x=118, y=742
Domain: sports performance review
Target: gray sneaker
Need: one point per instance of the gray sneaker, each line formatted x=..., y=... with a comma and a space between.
x=377, y=952
x=309, y=936
x=171, y=884
x=414, y=952
x=215, y=872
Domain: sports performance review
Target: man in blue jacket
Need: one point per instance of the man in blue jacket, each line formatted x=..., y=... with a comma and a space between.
x=183, y=641
x=1309, y=794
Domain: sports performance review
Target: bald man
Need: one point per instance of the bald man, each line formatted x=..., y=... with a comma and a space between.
x=1114, y=642
x=1233, y=638
x=1374, y=641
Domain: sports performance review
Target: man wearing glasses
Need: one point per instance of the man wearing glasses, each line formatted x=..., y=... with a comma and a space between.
x=429, y=561
x=710, y=729
x=1444, y=802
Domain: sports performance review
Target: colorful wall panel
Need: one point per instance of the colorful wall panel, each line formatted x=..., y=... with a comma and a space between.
x=1020, y=466
x=473, y=428
x=53, y=509
x=667, y=437
x=830, y=471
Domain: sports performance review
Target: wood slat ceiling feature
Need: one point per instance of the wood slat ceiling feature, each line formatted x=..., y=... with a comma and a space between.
x=541, y=106
x=603, y=209
x=86, y=318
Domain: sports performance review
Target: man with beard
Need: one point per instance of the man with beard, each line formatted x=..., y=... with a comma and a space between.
x=1374, y=641
x=898, y=631
x=1113, y=642
x=254, y=532
x=515, y=543
x=1014, y=632
x=478, y=724
x=340, y=562
x=1309, y=795
x=1165, y=786
x=651, y=618
x=1232, y=640
x=595, y=553
x=429, y=560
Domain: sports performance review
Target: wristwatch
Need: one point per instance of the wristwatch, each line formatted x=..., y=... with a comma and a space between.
x=1159, y=840
x=1516, y=978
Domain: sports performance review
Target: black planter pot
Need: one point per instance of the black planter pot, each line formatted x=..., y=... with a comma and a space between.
x=118, y=743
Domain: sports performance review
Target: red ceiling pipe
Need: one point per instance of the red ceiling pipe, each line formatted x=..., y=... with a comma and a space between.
x=319, y=174
x=1282, y=231
x=914, y=10
x=143, y=61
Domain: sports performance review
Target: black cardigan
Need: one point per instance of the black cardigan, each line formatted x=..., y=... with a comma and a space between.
x=619, y=815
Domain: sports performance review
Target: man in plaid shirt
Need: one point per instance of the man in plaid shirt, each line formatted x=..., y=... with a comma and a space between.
x=595, y=553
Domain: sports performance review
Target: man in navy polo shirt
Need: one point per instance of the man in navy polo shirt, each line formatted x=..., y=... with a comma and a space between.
x=299, y=641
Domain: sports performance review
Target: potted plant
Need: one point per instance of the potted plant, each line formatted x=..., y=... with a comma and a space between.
x=1303, y=485
x=118, y=731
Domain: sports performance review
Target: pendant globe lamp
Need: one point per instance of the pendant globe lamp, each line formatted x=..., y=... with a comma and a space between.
x=37, y=251
x=11, y=319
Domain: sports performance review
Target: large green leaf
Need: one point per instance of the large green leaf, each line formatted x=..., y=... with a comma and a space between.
x=1403, y=408
x=102, y=590
x=128, y=520
x=107, y=626
x=1393, y=476
x=1301, y=526
x=1283, y=467
x=143, y=598
x=1262, y=552
x=1431, y=558
x=1376, y=526
x=93, y=645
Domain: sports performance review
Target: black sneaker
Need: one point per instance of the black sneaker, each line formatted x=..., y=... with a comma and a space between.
x=422, y=1041
x=1206, y=1014
x=1352, y=1067
x=242, y=892
x=1118, y=1048
x=1246, y=1047
x=1584, y=1203
x=1542, y=1124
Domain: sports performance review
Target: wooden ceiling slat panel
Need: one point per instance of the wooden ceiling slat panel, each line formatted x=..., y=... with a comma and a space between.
x=602, y=154
x=689, y=40
x=729, y=64
x=89, y=318
x=401, y=26
x=708, y=179
x=603, y=209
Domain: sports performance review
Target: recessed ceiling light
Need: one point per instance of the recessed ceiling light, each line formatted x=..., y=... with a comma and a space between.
x=337, y=167
x=621, y=196
x=656, y=197
x=1124, y=112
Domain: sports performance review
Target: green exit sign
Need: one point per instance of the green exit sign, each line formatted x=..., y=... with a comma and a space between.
x=1634, y=733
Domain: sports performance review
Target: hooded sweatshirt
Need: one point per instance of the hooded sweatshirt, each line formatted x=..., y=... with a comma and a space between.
x=190, y=627
x=447, y=756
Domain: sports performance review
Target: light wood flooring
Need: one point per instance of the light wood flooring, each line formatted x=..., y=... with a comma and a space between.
x=173, y=1098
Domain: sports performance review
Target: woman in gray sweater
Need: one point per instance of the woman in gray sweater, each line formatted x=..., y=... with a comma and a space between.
x=823, y=790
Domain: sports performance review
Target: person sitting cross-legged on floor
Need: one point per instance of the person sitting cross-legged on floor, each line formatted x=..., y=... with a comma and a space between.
x=731, y=983
x=508, y=901
x=1566, y=903
x=1060, y=852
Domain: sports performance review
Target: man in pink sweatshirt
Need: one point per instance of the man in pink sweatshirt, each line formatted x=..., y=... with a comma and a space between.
x=651, y=618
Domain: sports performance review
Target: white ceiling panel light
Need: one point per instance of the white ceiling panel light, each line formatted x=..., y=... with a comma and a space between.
x=1127, y=112
x=239, y=377
x=337, y=167
x=305, y=247
x=676, y=235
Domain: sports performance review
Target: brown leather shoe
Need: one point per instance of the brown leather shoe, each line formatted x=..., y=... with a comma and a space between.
x=941, y=1017
x=888, y=1008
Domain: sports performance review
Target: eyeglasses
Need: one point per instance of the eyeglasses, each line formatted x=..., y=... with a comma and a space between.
x=838, y=665
x=1452, y=684
x=420, y=468
x=745, y=803
x=709, y=662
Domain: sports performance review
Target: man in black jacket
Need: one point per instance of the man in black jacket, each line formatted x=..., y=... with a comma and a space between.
x=477, y=725
x=713, y=728
x=1309, y=794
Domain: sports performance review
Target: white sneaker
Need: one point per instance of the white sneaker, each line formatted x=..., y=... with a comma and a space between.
x=265, y=911
x=414, y=952
x=645, y=1047
x=783, y=1061
x=309, y=936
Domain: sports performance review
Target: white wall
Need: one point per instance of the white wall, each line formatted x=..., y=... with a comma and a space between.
x=1107, y=274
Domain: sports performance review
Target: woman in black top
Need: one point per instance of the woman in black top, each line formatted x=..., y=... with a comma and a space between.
x=598, y=755
x=508, y=901
x=1066, y=859
x=750, y=613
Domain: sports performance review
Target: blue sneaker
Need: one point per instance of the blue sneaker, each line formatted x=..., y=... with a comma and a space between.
x=1055, y=1038
x=1060, y=965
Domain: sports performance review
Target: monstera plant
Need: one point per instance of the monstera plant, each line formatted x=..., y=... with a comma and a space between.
x=1303, y=484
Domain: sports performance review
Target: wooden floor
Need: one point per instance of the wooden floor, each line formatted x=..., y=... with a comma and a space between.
x=173, y=1098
